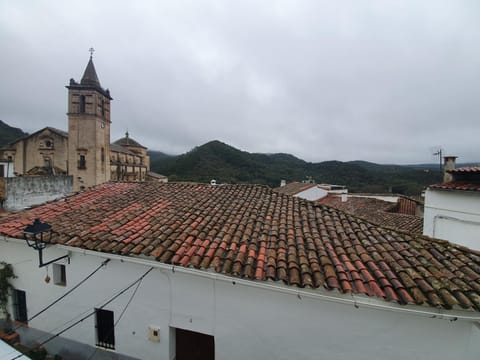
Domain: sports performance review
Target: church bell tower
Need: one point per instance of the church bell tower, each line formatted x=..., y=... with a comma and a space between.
x=88, y=130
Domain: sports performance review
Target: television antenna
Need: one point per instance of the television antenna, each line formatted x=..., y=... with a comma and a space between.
x=438, y=151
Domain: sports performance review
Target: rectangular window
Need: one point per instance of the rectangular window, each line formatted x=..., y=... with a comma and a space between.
x=2, y=170
x=82, y=103
x=20, y=305
x=59, y=275
x=82, y=164
x=105, y=329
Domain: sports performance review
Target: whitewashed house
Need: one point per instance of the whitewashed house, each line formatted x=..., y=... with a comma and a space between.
x=191, y=271
x=310, y=190
x=452, y=209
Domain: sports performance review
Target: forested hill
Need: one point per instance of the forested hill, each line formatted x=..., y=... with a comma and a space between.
x=226, y=164
x=9, y=134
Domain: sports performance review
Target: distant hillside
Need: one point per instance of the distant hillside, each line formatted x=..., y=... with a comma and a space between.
x=157, y=155
x=216, y=160
x=9, y=134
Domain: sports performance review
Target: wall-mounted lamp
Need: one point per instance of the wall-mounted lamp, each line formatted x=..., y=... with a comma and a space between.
x=36, y=234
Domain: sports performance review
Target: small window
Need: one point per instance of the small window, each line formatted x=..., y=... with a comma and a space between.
x=20, y=305
x=82, y=103
x=105, y=329
x=2, y=171
x=59, y=275
x=82, y=162
x=103, y=154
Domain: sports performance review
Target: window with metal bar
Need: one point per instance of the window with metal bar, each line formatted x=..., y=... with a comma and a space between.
x=105, y=327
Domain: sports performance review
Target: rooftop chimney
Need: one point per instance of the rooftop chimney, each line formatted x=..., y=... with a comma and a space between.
x=283, y=183
x=448, y=164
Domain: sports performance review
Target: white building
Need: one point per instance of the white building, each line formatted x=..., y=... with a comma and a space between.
x=310, y=190
x=452, y=209
x=235, y=272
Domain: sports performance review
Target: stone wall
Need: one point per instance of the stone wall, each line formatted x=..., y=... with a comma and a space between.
x=24, y=191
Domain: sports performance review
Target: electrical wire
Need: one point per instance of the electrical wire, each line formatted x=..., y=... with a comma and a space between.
x=91, y=313
x=120, y=316
x=64, y=295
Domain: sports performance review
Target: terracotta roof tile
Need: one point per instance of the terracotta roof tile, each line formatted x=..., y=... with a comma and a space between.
x=376, y=211
x=457, y=185
x=249, y=231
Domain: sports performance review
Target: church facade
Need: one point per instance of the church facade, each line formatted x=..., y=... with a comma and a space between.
x=85, y=151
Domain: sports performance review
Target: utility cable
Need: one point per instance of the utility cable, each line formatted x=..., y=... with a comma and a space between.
x=119, y=317
x=66, y=294
x=91, y=313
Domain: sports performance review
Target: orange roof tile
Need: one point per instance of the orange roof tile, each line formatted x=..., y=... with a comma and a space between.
x=376, y=211
x=252, y=232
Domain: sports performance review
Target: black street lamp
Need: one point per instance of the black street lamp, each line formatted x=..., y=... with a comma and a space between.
x=36, y=234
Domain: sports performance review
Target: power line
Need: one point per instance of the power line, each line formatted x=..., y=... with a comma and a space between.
x=120, y=317
x=67, y=293
x=91, y=313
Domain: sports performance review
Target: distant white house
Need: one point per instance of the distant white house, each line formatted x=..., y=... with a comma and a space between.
x=310, y=190
x=452, y=209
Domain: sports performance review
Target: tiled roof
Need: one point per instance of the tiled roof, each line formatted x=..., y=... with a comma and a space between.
x=376, y=211
x=156, y=175
x=252, y=232
x=466, y=169
x=128, y=141
x=457, y=185
x=294, y=188
x=120, y=149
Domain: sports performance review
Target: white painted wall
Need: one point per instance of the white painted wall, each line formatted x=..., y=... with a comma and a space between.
x=453, y=215
x=26, y=191
x=392, y=199
x=312, y=194
x=8, y=168
x=248, y=322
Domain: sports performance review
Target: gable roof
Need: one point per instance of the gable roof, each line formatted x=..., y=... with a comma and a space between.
x=294, y=188
x=376, y=211
x=249, y=231
x=52, y=129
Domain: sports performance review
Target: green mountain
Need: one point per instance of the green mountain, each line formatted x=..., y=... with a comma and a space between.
x=157, y=155
x=9, y=134
x=216, y=160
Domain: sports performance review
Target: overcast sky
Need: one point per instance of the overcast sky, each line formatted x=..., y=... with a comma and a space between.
x=382, y=81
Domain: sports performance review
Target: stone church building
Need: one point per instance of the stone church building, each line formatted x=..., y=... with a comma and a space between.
x=85, y=151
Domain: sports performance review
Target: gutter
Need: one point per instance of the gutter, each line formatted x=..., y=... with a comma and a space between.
x=355, y=300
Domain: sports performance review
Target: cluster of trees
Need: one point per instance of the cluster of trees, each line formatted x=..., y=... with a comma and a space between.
x=219, y=161
x=9, y=134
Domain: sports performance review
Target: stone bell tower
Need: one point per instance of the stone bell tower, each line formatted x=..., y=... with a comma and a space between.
x=88, y=130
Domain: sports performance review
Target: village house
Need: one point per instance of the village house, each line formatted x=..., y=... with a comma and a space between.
x=309, y=190
x=399, y=215
x=85, y=151
x=197, y=271
x=452, y=209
